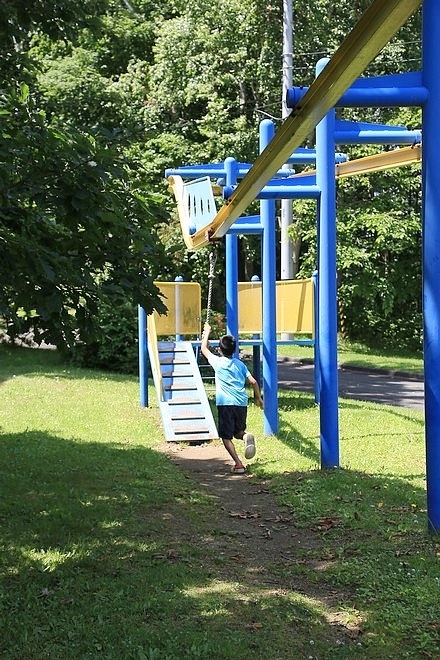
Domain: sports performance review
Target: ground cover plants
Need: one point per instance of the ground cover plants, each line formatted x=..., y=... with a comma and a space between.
x=110, y=550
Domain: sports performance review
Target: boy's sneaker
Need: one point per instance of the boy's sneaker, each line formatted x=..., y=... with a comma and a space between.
x=238, y=469
x=249, y=445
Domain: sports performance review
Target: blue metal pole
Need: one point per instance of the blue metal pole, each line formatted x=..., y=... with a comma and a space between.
x=316, y=334
x=142, y=348
x=178, y=278
x=231, y=267
x=282, y=189
x=431, y=256
x=270, y=369
x=231, y=262
x=390, y=91
x=328, y=313
x=256, y=353
x=365, y=136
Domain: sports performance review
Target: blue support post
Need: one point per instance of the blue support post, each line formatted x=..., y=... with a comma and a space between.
x=328, y=313
x=270, y=369
x=179, y=278
x=231, y=267
x=431, y=257
x=143, y=361
x=317, y=368
x=231, y=262
x=256, y=353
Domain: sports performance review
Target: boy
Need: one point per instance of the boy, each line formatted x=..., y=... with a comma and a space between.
x=231, y=397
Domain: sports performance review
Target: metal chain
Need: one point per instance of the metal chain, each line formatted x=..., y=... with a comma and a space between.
x=211, y=276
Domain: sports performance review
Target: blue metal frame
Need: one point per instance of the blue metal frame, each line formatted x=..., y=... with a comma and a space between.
x=431, y=255
x=143, y=357
x=410, y=89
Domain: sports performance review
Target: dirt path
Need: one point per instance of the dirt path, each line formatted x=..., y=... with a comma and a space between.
x=254, y=531
x=240, y=498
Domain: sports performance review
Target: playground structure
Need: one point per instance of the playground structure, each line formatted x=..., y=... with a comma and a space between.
x=184, y=406
x=198, y=212
x=338, y=85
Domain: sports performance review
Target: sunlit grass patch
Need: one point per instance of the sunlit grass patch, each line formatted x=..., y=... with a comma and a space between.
x=108, y=550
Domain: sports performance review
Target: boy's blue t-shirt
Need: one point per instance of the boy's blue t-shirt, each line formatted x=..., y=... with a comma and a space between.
x=230, y=380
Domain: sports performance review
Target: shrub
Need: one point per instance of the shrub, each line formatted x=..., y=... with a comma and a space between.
x=117, y=347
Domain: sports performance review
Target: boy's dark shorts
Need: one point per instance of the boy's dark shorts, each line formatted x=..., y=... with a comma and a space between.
x=231, y=421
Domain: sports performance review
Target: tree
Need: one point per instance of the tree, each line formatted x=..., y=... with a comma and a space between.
x=76, y=230
x=156, y=87
x=379, y=257
x=73, y=232
x=225, y=65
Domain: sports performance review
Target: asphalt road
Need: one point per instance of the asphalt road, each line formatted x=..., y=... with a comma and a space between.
x=389, y=389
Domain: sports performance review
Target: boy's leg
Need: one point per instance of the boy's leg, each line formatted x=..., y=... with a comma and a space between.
x=230, y=448
x=248, y=438
x=226, y=429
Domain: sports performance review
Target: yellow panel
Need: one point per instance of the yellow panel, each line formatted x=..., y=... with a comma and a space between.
x=183, y=300
x=249, y=308
x=294, y=307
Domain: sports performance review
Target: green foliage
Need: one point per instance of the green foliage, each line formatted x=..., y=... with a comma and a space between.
x=19, y=21
x=135, y=88
x=73, y=87
x=379, y=257
x=117, y=347
x=322, y=25
x=225, y=66
x=73, y=231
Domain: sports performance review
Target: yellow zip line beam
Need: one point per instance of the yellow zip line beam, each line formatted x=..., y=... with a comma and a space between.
x=383, y=161
x=386, y=160
x=372, y=32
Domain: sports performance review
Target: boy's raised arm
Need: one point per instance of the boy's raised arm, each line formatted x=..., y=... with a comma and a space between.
x=205, y=339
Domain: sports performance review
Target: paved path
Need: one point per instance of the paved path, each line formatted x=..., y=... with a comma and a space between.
x=394, y=390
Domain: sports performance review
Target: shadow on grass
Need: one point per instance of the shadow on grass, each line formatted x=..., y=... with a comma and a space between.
x=289, y=433
x=104, y=553
x=110, y=551
x=375, y=548
x=17, y=360
x=360, y=537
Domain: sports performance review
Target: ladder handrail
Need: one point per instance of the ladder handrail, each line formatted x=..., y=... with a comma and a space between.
x=154, y=354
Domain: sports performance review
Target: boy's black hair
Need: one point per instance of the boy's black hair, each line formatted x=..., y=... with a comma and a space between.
x=228, y=345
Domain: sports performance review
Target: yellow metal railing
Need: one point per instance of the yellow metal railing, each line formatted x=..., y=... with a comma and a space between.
x=384, y=161
x=154, y=354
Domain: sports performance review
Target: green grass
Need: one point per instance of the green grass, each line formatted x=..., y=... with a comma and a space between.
x=101, y=536
x=355, y=354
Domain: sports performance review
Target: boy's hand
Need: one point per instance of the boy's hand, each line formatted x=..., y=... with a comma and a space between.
x=206, y=330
